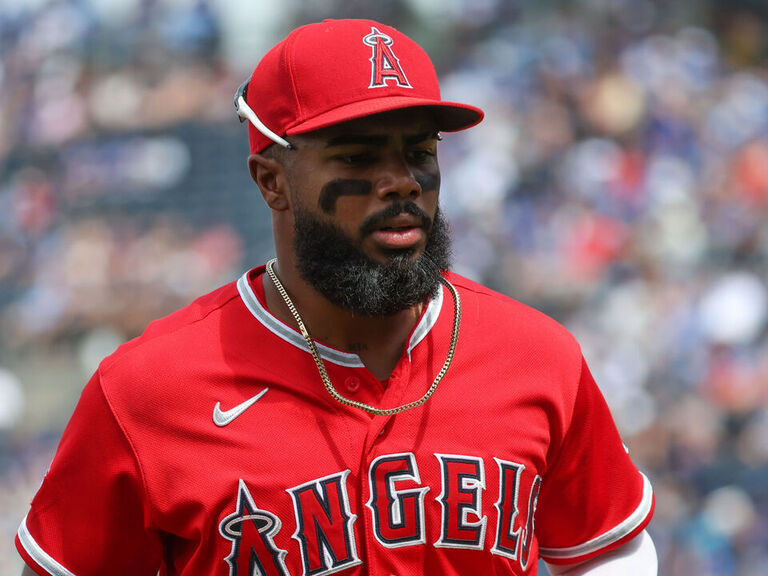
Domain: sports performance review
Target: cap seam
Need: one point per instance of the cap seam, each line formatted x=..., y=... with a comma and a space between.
x=289, y=50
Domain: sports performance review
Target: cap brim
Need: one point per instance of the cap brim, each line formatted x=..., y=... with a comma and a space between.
x=450, y=116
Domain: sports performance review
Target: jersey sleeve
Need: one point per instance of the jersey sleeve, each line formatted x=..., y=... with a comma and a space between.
x=593, y=498
x=90, y=515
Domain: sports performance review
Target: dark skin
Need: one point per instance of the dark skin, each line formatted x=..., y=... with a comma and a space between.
x=344, y=174
x=397, y=154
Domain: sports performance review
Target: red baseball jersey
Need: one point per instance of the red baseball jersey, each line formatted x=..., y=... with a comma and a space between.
x=209, y=446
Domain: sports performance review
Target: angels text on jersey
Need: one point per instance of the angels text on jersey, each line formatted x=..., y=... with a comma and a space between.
x=325, y=519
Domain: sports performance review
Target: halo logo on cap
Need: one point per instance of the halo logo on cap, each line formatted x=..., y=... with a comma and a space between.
x=384, y=64
x=318, y=76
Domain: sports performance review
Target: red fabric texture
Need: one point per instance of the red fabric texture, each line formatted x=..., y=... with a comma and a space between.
x=323, y=74
x=145, y=481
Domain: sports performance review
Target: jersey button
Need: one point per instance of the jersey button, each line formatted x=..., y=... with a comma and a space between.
x=352, y=384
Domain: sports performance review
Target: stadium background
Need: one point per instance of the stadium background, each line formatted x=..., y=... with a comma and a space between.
x=619, y=183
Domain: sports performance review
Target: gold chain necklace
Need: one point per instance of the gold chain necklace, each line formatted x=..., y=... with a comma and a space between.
x=321, y=366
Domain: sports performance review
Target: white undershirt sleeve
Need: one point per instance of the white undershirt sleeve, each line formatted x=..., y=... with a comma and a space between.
x=635, y=558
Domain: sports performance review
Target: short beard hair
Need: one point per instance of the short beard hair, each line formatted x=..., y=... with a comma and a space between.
x=335, y=265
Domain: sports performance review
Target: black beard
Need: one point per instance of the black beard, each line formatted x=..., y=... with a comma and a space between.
x=335, y=265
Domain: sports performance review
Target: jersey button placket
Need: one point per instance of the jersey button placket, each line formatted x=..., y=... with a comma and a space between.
x=352, y=384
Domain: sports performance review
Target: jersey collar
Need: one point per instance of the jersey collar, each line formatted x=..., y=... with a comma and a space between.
x=255, y=304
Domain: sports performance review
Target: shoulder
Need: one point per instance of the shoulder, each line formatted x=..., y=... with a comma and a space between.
x=176, y=354
x=171, y=370
x=520, y=354
x=497, y=313
x=183, y=328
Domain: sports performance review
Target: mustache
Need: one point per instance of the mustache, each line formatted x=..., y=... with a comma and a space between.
x=374, y=221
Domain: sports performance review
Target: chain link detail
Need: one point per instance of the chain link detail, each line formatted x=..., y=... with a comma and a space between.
x=324, y=373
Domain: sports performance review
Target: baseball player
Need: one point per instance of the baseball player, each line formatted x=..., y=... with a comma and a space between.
x=352, y=406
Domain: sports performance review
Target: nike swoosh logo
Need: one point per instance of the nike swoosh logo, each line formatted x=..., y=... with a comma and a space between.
x=224, y=417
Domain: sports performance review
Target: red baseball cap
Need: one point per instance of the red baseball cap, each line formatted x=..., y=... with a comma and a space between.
x=338, y=70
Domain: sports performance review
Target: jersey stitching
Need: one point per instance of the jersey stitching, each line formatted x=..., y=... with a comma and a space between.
x=145, y=339
x=127, y=437
x=36, y=552
x=285, y=332
x=460, y=282
x=578, y=389
x=25, y=537
x=567, y=428
x=621, y=530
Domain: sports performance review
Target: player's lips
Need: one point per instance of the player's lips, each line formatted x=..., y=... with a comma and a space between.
x=402, y=231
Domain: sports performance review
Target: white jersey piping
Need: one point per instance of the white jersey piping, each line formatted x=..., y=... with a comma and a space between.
x=615, y=534
x=285, y=332
x=38, y=554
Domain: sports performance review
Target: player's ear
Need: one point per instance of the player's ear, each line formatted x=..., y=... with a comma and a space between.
x=269, y=175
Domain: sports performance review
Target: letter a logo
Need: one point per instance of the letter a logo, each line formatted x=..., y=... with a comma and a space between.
x=252, y=533
x=384, y=64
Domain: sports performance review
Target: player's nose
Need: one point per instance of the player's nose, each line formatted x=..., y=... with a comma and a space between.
x=398, y=180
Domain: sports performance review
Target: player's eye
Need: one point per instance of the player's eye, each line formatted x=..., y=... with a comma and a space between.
x=355, y=158
x=421, y=155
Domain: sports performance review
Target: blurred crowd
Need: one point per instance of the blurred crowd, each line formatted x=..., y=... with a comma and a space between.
x=619, y=183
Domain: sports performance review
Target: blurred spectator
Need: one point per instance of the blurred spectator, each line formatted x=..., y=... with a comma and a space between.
x=619, y=182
